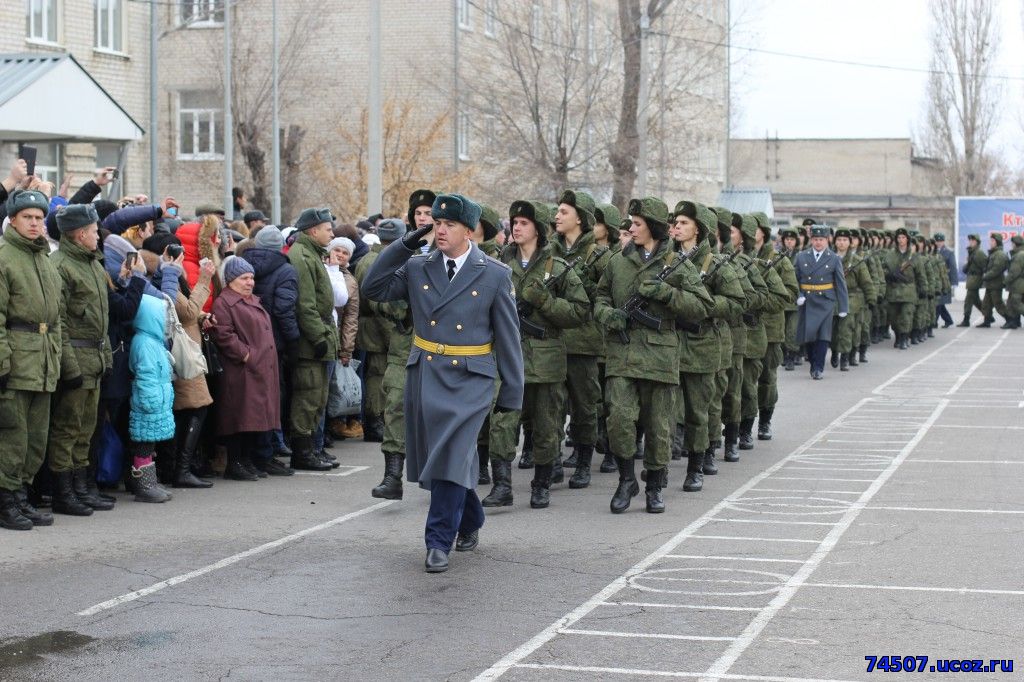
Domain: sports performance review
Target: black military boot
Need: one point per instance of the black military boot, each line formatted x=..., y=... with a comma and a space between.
x=572, y=460
x=540, y=486
x=747, y=434
x=844, y=362
x=627, y=488
x=11, y=516
x=581, y=477
x=303, y=458
x=966, y=321
x=798, y=359
x=557, y=470
x=38, y=518
x=790, y=361
x=80, y=482
x=852, y=357
x=655, y=483
x=65, y=501
x=373, y=429
x=501, y=493
x=731, y=436
x=608, y=464
x=526, y=460
x=885, y=334
x=904, y=341
x=986, y=323
x=913, y=337
x=694, y=472
x=764, y=424
x=186, y=460
x=708, y=466
x=236, y=470
x=390, y=487
x=484, y=455
x=835, y=359
x=639, y=452
x=929, y=333
x=863, y=357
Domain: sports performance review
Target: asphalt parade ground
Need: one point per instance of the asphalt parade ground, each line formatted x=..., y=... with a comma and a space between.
x=885, y=519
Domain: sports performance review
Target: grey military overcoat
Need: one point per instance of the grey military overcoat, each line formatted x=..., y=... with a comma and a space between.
x=823, y=286
x=448, y=397
x=949, y=258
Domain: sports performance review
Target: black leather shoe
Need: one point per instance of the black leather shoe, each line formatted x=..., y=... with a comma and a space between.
x=437, y=561
x=273, y=467
x=627, y=488
x=467, y=542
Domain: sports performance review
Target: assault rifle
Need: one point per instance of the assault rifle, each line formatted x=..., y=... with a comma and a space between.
x=705, y=277
x=525, y=309
x=847, y=271
x=635, y=306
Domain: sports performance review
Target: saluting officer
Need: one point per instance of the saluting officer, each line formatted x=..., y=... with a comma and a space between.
x=819, y=272
x=466, y=334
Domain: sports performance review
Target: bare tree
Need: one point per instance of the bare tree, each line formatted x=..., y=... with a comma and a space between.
x=961, y=96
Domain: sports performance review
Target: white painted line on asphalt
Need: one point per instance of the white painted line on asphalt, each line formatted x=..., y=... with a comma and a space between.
x=815, y=478
x=693, y=607
x=963, y=377
x=965, y=461
x=947, y=510
x=733, y=558
x=916, y=588
x=975, y=428
x=828, y=468
x=713, y=580
x=864, y=440
x=351, y=469
x=644, y=635
x=774, y=521
x=228, y=561
x=750, y=539
x=906, y=370
x=639, y=672
x=799, y=490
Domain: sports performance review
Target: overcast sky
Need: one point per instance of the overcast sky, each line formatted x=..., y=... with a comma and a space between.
x=802, y=98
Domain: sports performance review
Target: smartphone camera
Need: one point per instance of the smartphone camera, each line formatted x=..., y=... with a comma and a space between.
x=174, y=250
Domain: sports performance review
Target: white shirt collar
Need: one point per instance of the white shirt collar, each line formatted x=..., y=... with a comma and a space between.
x=459, y=262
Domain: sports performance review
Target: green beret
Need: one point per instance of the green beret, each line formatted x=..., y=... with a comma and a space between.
x=75, y=216
x=457, y=208
x=939, y=237
x=607, y=214
x=311, y=217
x=20, y=199
x=584, y=205
x=490, y=221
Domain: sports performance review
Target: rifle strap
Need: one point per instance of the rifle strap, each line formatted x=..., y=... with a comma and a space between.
x=707, y=261
x=548, y=267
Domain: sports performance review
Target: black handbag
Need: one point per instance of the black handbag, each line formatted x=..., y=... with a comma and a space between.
x=213, y=364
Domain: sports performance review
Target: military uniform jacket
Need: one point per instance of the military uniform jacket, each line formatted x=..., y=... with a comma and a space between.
x=544, y=360
x=874, y=258
x=448, y=397
x=86, y=317
x=588, y=338
x=948, y=259
x=823, y=287
x=315, y=306
x=650, y=354
x=1015, y=273
x=974, y=268
x=997, y=262
x=782, y=293
x=859, y=286
x=758, y=305
x=701, y=349
x=29, y=297
x=374, y=332
x=737, y=329
x=904, y=276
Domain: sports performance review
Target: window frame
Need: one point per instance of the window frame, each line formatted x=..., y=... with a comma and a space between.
x=216, y=133
x=537, y=24
x=491, y=18
x=211, y=8
x=115, y=32
x=464, y=15
x=463, y=127
x=44, y=38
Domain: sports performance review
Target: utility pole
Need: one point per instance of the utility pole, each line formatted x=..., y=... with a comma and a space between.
x=229, y=122
x=153, y=154
x=275, y=145
x=728, y=88
x=643, y=109
x=375, y=166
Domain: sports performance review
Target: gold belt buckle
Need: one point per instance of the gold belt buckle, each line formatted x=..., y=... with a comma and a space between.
x=43, y=328
x=440, y=349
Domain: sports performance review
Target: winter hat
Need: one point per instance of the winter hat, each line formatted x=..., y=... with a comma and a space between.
x=391, y=230
x=20, y=199
x=490, y=221
x=104, y=208
x=269, y=238
x=235, y=267
x=608, y=215
x=536, y=212
x=311, y=217
x=1017, y=240
x=159, y=242
x=700, y=214
x=76, y=216
x=654, y=212
x=115, y=249
x=998, y=236
x=823, y=231
x=584, y=205
x=342, y=243
x=419, y=197
x=457, y=208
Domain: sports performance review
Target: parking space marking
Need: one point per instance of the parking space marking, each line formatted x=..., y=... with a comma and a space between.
x=733, y=558
x=916, y=588
x=944, y=510
x=644, y=635
x=349, y=470
x=639, y=672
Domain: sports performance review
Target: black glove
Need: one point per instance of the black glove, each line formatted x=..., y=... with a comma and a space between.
x=501, y=409
x=320, y=349
x=3, y=382
x=291, y=353
x=415, y=240
x=73, y=383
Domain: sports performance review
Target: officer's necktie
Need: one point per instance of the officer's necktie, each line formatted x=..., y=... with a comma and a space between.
x=451, y=269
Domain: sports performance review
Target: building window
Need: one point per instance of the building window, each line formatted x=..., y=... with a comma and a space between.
x=200, y=126
x=200, y=12
x=41, y=20
x=536, y=23
x=491, y=18
x=109, y=33
x=871, y=224
x=465, y=20
x=463, y=136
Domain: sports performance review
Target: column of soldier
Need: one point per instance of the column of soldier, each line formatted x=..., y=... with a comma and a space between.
x=658, y=336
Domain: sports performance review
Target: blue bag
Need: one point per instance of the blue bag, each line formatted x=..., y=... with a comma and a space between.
x=110, y=455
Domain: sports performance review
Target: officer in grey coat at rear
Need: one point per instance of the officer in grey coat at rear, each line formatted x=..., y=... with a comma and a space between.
x=466, y=335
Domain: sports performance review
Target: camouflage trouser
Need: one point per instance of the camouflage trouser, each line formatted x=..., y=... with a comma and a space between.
x=923, y=313
x=373, y=379
x=901, y=317
x=73, y=418
x=502, y=435
x=543, y=410
x=880, y=317
x=393, y=384
x=972, y=301
x=650, y=403
x=719, y=384
x=768, y=382
x=1014, y=304
x=842, y=334
x=792, y=320
x=748, y=396
x=24, y=420
x=693, y=398
x=865, y=327
x=733, y=399
x=583, y=391
x=309, y=395
x=993, y=300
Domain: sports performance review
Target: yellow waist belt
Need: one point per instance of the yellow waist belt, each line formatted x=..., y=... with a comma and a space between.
x=816, y=287
x=445, y=349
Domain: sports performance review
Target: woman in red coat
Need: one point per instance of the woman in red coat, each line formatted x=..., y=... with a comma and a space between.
x=249, y=388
